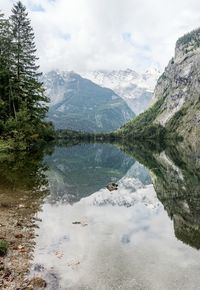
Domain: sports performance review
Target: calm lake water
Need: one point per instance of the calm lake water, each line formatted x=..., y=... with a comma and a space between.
x=144, y=235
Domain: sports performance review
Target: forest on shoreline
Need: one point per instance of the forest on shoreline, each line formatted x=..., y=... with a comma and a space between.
x=23, y=104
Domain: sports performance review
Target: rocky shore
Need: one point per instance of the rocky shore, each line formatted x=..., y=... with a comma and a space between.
x=17, y=228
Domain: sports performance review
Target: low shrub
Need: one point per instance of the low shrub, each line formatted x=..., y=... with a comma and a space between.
x=3, y=248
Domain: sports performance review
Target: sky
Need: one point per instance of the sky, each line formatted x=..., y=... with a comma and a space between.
x=85, y=35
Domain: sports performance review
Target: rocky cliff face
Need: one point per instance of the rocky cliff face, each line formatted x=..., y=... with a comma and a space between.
x=176, y=110
x=179, y=87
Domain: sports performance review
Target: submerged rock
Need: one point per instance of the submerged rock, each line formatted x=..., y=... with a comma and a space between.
x=112, y=186
x=83, y=223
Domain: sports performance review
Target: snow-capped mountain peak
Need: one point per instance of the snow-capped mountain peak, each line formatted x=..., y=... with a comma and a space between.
x=136, y=89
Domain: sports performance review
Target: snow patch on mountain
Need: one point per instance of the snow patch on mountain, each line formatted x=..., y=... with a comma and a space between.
x=55, y=85
x=136, y=89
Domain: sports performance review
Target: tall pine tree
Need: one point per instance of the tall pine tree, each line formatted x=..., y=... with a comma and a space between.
x=28, y=91
x=6, y=108
x=23, y=104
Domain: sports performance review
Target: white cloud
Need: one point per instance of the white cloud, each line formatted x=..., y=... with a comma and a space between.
x=108, y=34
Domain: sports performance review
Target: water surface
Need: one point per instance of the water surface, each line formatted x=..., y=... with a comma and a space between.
x=145, y=235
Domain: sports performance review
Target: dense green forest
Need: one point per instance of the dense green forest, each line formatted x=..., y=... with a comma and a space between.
x=23, y=104
x=143, y=128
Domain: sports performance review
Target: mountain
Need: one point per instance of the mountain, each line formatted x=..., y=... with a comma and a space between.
x=136, y=89
x=79, y=104
x=177, y=96
x=179, y=89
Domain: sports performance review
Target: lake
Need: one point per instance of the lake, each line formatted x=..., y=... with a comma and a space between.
x=144, y=235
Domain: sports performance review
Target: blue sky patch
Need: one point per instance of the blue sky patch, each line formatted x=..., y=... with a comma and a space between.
x=126, y=36
x=65, y=36
x=37, y=8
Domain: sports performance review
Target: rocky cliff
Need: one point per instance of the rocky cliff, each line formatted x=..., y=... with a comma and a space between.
x=176, y=110
x=179, y=88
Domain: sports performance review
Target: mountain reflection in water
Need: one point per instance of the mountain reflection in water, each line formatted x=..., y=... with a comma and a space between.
x=78, y=171
x=144, y=235
x=122, y=239
x=176, y=176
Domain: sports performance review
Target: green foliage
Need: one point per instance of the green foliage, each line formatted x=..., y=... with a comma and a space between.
x=27, y=90
x=3, y=247
x=86, y=136
x=22, y=100
x=175, y=122
x=24, y=170
x=142, y=127
x=5, y=68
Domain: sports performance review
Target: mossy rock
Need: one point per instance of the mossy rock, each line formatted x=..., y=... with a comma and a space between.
x=3, y=248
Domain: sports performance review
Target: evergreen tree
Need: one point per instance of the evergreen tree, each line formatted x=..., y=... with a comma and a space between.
x=27, y=89
x=22, y=100
x=5, y=64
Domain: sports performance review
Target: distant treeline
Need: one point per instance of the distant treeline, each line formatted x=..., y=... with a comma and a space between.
x=85, y=136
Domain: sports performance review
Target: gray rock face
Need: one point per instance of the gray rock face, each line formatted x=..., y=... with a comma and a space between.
x=179, y=86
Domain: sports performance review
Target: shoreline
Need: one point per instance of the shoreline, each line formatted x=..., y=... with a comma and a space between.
x=17, y=227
